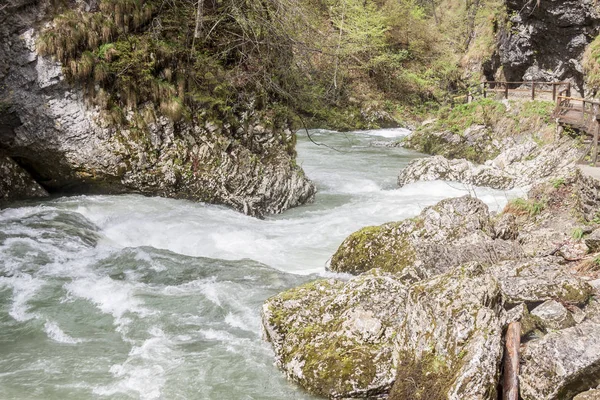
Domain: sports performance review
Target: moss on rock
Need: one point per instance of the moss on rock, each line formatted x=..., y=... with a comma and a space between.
x=334, y=337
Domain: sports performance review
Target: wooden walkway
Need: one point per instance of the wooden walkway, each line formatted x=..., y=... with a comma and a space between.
x=573, y=112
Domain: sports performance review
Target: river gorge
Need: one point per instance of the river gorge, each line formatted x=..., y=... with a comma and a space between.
x=128, y=297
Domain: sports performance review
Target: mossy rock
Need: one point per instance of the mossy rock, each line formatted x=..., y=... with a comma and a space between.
x=387, y=247
x=450, y=344
x=335, y=338
x=443, y=236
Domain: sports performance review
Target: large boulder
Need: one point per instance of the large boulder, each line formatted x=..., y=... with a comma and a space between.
x=589, y=395
x=353, y=339
x=534, y=281
x=506, y=171
x=335, y=338
x=450, y=343
x=452, y=232
x=561, y=364
x=51, y=127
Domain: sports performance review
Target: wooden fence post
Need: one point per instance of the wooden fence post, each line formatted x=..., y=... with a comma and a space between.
x=532, y=90
x=553, y=91
x=510, y=384
x=595, y=147
x=568, y=89
x=485, y=90
x=506, y=90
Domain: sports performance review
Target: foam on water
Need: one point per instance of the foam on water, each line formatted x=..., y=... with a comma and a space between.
x=55, y=333
x=147, y=298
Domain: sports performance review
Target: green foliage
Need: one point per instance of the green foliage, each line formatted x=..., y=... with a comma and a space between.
x=460, y=117
x=577, y=234
x=591, y=64
x=521, y=206
x=329, y=61
x=558, y=182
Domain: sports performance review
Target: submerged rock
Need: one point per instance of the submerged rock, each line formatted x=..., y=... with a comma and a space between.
x=533, y=281
x=450, y=344
x=452, y=232
x=335, y=338
x=561, y=364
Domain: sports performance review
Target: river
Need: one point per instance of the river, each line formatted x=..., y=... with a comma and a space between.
x=132, y=297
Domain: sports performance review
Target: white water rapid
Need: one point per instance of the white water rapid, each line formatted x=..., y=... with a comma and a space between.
x=132, y=297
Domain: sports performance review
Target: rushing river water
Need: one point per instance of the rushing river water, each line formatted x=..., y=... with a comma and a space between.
x=131, y=297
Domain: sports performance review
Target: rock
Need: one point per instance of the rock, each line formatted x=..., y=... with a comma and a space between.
x=593, y=241
x=537, y=280
x=553, y=315
x=587, y=192
x=463, y=171
x=452, y=232
x=589, y=395
x=49, y=126
x=506, y=227
x=543, y=37
x=504, y=172
x=476, y=143
x=592, y=310
x=15, y=183
x=450, y=346
x=335, y=338
x=520, y=313
x=561, y=364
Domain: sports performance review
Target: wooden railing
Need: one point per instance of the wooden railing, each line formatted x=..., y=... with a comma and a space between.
x=579, y=113
x=527, y=89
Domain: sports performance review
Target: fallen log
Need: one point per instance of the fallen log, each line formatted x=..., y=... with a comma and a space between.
x=510, y=384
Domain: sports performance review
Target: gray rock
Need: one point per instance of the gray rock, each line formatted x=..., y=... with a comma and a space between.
x=561, y=364
x=537, y=280
x=448, y=234
x=593, y=241
x=463, y=171
x=504, y=172
x=543, y=37
x=69, y=144
x=15, y=183
x=335, y=338
x=506, y=227
x=589, y=395
x=350, y=339
x=450, y=345
x=521, y=314
x=553, y=315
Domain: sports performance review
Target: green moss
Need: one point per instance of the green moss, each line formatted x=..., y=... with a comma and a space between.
x=428, y=377
x=591, y=64
x=374, y=247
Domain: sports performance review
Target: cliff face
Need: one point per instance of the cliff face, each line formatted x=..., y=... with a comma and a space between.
x=67, y=143
x=544, y=41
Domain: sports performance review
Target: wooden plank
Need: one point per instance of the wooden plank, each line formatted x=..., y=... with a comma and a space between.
x=510, y=384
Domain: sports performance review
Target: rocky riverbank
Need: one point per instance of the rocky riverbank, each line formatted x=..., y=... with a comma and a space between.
x=425, y=315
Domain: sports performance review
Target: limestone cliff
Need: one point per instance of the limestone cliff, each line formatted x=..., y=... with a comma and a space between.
x=55, y=129
x=544, y=41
